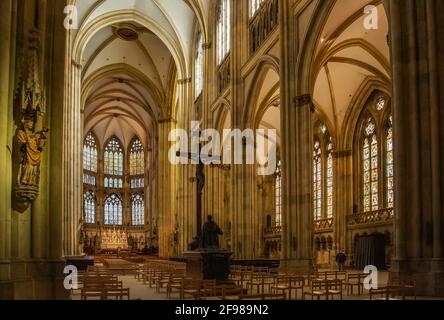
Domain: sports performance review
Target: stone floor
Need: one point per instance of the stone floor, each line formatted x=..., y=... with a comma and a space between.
x=139, y=291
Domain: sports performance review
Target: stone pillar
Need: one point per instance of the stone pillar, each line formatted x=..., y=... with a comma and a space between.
x=417, y=53
x=343, y=197
x=5, y=144
x=297, y=219
x=166, y=198
x=72, y=165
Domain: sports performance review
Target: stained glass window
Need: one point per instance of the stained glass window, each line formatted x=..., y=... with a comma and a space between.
x=389, y=166
x=113, y=210
x=89, y=207
x=254, y=6
x=330, y=179
x=317, y=180
x=137, y=158
x=380, y=103
x=90, y=153
x=137, y=183
x=138, y=210
x=113, y=158
x=198, y=66
x=113, y=183
x=223, y=30
x=89, y=179
x=278, y=193
x=370, y=167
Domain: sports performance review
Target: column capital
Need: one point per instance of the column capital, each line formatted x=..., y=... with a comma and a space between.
x=207, y=46
x=184, y=81
x=304, y=100
x=77, y=64
x=167, y=119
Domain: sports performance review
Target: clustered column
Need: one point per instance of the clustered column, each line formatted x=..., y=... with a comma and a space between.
x=417, y=51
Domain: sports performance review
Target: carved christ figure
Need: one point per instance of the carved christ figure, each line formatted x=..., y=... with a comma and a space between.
x=31, y=146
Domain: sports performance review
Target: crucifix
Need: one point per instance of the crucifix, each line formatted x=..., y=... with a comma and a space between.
x=200, y=160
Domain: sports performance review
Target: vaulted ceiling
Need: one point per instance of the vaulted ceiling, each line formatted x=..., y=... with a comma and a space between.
x=129, y=70
x=347, y=57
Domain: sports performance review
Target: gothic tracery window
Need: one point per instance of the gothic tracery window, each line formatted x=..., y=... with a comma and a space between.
x=370, y=168
x=137, y=164
x=330, y=182
x=223, y=30
x=317, y=181
x=278, y=195
x=389, y=166
x=113, y=210
x=376, y=147
x=323, y=174
x=198, y=66
x=138, y=210
x=90, y=160
x=113, y=161
x=89, y=207
x=90, y=153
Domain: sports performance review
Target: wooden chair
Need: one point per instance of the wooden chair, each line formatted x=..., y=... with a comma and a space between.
x=387, y=293
x=207, y=289
x=334, y=288
x=176, y=284
x=265, y=297
x=105, y=293
x=255, y=281
x=231, y=292
x=190, y=288
x=408, y=283
x=356, y=280
x=318, y=289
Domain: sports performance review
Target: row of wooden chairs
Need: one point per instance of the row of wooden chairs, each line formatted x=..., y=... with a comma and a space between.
x=101, y=284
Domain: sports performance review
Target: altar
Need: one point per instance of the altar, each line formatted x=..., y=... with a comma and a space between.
x=113, y=239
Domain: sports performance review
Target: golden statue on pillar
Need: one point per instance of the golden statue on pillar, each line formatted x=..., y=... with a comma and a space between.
x=31, y=145
x=30, y=111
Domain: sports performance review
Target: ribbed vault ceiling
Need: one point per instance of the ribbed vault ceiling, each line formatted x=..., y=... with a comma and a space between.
x=128, y=71
x=348, y=56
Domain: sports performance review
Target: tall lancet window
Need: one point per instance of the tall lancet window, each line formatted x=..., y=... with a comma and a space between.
x=370, y=167
x=223, y=30
x=389, y=165
x=137, y=164
x=317, y=180
x=254, y=6
x=278, y=195
x=330, y=182
x=323, y=173
x=89, y=201
x=138, y=210
x=198, y=66
x=113, y=210
x=113, y=158
x=90, y=160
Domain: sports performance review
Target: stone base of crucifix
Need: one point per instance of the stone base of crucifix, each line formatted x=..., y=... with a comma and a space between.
x=209, y=264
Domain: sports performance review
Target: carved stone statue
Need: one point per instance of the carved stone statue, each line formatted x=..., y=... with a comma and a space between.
x=31, y=145
x=210, y=234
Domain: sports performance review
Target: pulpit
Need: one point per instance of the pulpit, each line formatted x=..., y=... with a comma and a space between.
x=209, y=264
